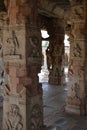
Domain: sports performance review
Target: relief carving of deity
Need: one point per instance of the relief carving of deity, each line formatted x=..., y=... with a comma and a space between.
x=14, y=119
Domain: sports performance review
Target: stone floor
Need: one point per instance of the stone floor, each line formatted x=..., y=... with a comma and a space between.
x=55, y=117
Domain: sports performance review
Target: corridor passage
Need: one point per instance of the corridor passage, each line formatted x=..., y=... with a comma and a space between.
x=55, y=117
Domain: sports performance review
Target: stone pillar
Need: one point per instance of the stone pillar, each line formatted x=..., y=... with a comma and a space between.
x=54, y=53
x=76, y=99
x=22, y=105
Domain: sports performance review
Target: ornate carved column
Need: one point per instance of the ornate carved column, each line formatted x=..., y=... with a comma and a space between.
x=55, y=51
x=76, y=99
x=22, y=105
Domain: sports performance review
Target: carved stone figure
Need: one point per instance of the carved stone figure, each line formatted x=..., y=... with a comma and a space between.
x=36, y=118
x=11, y=49
x=14, y=119
x=77, y=52
x=12, y=44
x=76, y=89
x=34, y=49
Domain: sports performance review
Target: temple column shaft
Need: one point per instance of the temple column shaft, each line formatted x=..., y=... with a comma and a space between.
x=76, y=98
x=22, y=105
x=55, y=52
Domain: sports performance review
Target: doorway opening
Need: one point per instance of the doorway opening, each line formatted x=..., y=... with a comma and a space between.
x=44, y=74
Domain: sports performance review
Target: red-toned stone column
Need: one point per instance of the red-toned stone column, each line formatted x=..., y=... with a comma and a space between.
x=76, y=99
x=22, y=105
